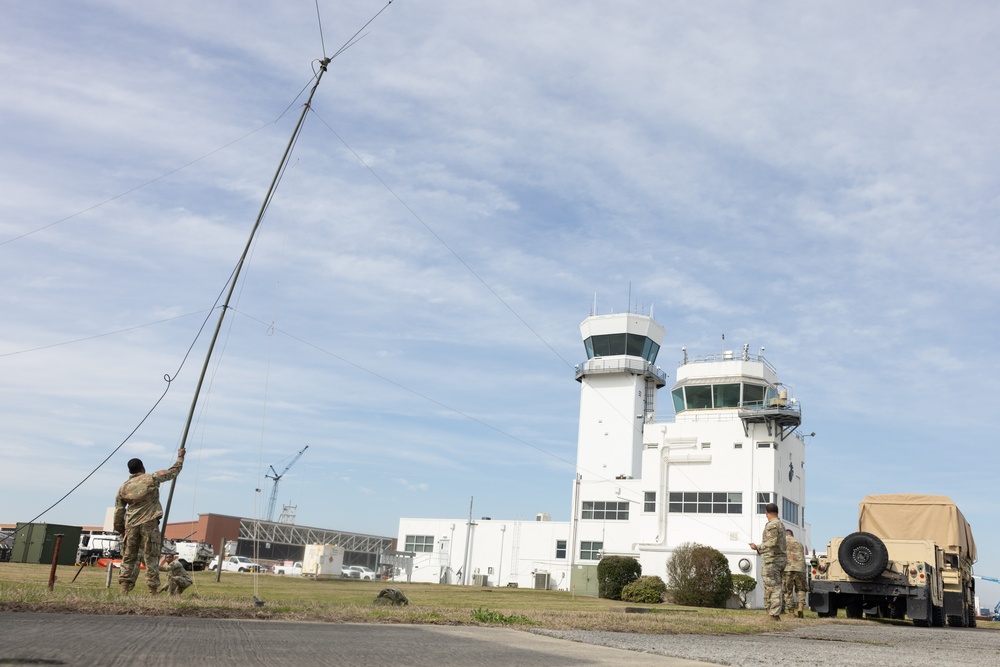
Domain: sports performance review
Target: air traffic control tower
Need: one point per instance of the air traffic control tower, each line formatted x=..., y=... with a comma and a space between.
x=618, y=394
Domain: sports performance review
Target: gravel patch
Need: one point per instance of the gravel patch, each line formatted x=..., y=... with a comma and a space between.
x=875, y=645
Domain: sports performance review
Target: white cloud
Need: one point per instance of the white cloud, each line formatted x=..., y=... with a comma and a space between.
x=817, y=179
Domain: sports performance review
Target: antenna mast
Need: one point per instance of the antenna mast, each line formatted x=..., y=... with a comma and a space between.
x=236, y=274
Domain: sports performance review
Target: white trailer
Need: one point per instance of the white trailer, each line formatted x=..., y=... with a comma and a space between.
x=322, y=561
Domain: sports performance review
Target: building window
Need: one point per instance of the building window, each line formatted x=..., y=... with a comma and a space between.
x=705, y=502
x=737, y=445
x=607, y=345
x=763, y=499
x=420, y=543
x=790, y=511
x=649, y=501
x=591, y=550
x=706, y=445
x=607, y=511
x=561, y=549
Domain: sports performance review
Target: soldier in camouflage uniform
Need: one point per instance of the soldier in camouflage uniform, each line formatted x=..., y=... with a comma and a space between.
x=772, y=550
x=794, y=581
x=178, y=578
x=137, y=520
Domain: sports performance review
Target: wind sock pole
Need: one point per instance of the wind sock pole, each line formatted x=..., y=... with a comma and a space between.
x=236, y=274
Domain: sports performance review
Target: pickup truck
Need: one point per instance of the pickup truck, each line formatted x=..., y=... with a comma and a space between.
x=295, y=569
x=235, y=564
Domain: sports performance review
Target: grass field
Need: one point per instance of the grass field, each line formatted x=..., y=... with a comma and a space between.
x=25, y=588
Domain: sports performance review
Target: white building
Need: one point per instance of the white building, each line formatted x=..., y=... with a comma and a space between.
x=643, y=485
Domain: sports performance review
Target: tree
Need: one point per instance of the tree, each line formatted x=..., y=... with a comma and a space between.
x=699, y=576
x=743, y=585
x=614, y=573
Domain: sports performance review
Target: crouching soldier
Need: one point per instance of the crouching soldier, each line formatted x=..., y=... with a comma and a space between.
x=178, y=579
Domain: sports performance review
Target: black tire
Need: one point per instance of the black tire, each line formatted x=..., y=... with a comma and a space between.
x=937, y=617
x=972, y=617
x=863, y=556
x=854, y=610
x=242, y=569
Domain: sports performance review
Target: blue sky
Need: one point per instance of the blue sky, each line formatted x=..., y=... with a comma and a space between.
x=818, y=179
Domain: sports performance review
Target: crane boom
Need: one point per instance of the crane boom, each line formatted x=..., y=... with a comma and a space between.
x=276, y=476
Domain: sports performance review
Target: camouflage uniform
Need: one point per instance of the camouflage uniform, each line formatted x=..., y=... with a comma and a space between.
x=794, y=582
x=137, y=520
x=178, y=579
x=772, y=550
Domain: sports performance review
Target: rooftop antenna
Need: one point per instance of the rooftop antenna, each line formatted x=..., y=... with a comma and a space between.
x=594, y=309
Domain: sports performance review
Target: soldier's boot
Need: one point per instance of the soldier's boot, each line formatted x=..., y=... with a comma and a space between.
x=775, y=617
x=153, y=590
x=800, y=612
x=125, y=586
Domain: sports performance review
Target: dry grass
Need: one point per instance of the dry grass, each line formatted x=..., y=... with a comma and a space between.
x=24, y=588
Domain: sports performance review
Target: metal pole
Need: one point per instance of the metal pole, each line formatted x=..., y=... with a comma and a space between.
x=235, y=278
x=503, y=532
x=468, y=543
x=111, y=568
x=55, y=561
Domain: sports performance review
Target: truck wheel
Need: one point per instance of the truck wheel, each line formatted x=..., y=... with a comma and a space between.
x=937, y=617
x=863, y=555
x=854, y=610
x=972, y=617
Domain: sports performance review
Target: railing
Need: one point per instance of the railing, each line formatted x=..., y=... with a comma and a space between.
x=730, y=356
x=772, y=404
x=617, y=365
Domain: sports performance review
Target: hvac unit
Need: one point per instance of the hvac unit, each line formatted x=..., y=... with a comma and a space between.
x=541, y=581
x=480, y=580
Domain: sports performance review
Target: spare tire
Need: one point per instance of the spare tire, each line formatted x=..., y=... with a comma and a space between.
x=863, y=555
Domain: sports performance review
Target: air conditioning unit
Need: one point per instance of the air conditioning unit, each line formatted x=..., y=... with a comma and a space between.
x=541, y=581
x=480, y=580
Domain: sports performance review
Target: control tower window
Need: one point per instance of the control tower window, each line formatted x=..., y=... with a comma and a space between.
x=753, y=395
x=726, y=395
x=620, y=344
x=698, y=397
x=678, y=396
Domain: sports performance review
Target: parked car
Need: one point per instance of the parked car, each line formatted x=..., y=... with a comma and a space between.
x=361, y=572
x=236, y=564
x=295, y=569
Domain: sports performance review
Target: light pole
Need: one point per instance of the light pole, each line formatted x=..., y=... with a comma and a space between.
x=503, y=529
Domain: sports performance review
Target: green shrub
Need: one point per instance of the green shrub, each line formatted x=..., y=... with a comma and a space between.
x=743, y=585
x=614, y=573
x=645, y=589
x=699, y=576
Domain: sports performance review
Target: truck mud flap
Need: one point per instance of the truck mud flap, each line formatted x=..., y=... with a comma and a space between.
x=918, y=609
x=819, y=602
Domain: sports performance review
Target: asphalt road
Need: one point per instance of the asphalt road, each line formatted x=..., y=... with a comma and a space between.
x=162, y=641
x=828, y=645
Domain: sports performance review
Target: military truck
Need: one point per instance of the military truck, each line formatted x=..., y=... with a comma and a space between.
x=911, y=558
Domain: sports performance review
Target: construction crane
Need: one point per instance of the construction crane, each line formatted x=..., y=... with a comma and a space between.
x=996, y=609
x=276, y=476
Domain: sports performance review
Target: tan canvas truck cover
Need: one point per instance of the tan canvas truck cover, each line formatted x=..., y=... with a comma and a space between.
x=910, y=516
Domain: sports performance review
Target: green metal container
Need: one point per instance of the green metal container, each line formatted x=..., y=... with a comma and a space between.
x=36, y=542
